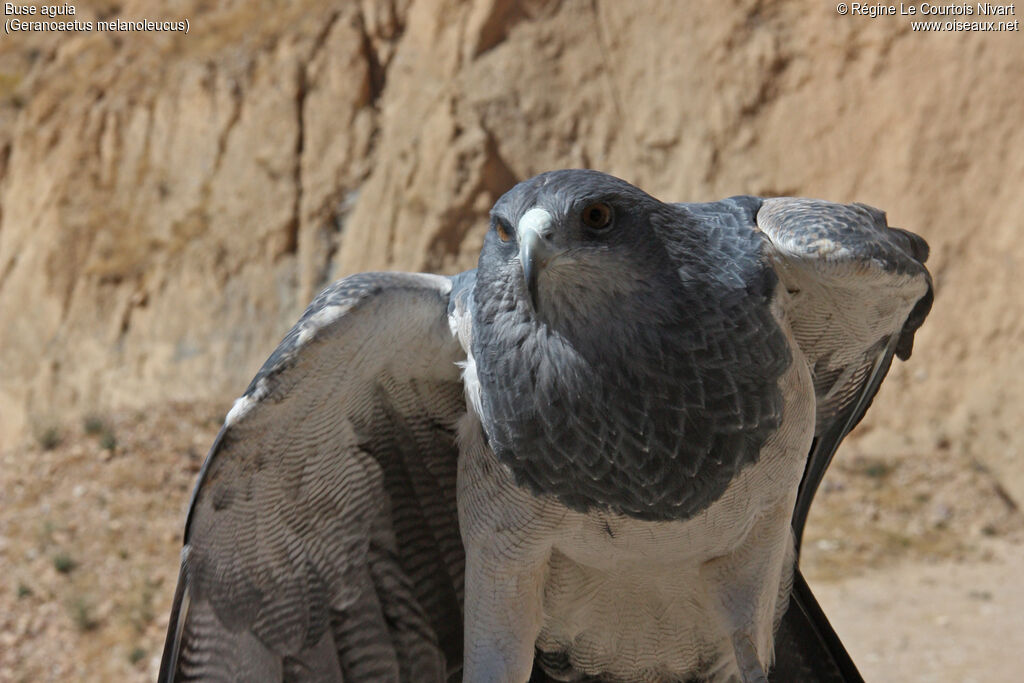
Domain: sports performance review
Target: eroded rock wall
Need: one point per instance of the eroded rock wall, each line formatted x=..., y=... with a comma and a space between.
x=170, y=203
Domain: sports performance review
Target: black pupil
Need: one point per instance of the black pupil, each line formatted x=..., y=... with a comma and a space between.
x=596, y=216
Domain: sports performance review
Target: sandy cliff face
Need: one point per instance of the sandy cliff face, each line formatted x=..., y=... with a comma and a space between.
x=171, y=202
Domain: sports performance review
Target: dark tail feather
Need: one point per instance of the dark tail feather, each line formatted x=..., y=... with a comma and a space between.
x=807, y=650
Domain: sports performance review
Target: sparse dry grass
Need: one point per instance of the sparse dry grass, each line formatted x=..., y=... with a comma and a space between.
x=876, y=510
x=90, y=537
x=89, y=544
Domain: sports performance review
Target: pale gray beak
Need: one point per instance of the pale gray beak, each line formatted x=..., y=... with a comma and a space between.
x=534, y=254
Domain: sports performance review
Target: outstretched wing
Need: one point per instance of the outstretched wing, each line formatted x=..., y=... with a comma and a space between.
x=857, y=292
x=322, y=542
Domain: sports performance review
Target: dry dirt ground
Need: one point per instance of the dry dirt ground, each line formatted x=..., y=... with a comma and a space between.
x=915, y=558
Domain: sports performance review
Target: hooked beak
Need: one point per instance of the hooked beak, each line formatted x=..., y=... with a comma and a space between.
x=534, y=254
x=535, y=248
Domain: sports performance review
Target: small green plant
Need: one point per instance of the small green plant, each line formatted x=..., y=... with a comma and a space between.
x=24, y=591
x=136, y=655
x=108, y=441
x=94, y=425
x=876, y=468
x=81, y=614
x=64, y=563
x=48, y=437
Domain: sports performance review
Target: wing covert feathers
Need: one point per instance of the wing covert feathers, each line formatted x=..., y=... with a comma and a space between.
x=851, y=247
x=322, y=542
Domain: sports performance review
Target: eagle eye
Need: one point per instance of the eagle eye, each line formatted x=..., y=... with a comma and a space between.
x=503, y=233
x=597, y=215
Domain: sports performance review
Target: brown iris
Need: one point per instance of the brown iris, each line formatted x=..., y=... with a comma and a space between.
x=597, y=215
x=502, y=232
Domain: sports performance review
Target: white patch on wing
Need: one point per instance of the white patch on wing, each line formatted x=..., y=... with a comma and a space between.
x=319, y=320
x=305, y=334
x=326, y=316
x=471, y=382
x=244, y=404
x=535, y=219
x=460, y=322
x=454, y=322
